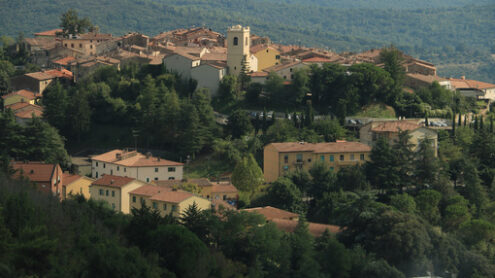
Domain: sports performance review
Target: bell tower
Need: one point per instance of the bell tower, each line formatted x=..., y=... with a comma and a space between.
x=238, y=45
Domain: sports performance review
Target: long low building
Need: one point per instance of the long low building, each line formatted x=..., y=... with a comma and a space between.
x=135, y=165
x=282, y=158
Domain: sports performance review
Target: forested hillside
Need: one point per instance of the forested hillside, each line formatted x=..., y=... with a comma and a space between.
x=436, y=31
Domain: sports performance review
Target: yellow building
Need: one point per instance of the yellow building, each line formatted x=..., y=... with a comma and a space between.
x=282, y=158
x=115, y=191
x=19, y=96
x=165, y=200
x=75, y=184
x=267, y=56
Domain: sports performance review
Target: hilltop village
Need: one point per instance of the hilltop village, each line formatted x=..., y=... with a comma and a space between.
x=360, y=164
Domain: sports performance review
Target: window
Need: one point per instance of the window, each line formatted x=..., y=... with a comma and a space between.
x=174, y=207
x=80, y=190
x=361, y=156
x=309, y=159
x=267, y=51
x=104, y=165
x=125, y=169
x=331, y=168
x=171, y=178
x=352, y=156
x=113, y=193
x=277, y=57
x=286, y=159
x=111, y=171
x=322, y=158
x=164, y=206
x=96, y=163
x=133, y=199
x=101, y=192
x=96, y=174
x=156, y=178
x=299, y=157
x=147, y=179
x=65, y=45
x=156, y=170
x=72, y=45
x=224, y=197
x=171, y=169
x=91, y=46
x=331, y=158
x=236, y=41
x=80, y=45
x=113, y=205
x=155, y=206
x=106, y=193
x=341, y=157
x=292, y=76
x=286, y=168
x=290, y=69
x=118, y=168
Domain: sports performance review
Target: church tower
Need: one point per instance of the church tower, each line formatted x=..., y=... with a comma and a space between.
x=238, y=45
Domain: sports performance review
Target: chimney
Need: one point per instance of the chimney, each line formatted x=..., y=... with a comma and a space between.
x=148, y=155
x=112, y=181
x=463, y=77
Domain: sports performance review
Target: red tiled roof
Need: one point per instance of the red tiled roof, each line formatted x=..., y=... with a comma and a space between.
x=149, y=190
x=64, y=61
x=317, y=60
x=134, y=159
x=393, y=126
x=315, y=229
x=172, y=196
x=49, y=32
x=20, y=105
x=28, y=114
x=329, y=147
x=69, y=178
x=113, y=181
x=223, y=187
x=282, y=66
x=470, y=84
x=63, y=73
x=271, y=213
x=40, y=75
x=24, y=93
x=35, y=171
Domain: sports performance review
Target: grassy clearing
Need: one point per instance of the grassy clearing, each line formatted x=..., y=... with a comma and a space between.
x=207, y=166
x=377, y=110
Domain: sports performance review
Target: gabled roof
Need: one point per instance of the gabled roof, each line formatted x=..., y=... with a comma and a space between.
x=28, y=114
x=393, y=126
x=20, y=105
x=171, y=196
x=49, y=32
x=329, y=147
x=69, y=178
x=470, y=84
x=40, y=75
x=133, y=159
x=64, y=61
x=35, y=171
x=149, y=190
x=223, y=187
x=317, y=60
x=113, y=181
x=315, y=229
x=23, y=93
x=282, y=66
x=271, y=213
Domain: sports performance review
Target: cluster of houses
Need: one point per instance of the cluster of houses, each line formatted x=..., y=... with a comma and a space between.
x=200, y=54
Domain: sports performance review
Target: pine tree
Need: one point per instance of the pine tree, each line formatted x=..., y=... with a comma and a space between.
x=309, y=117
x=244, y=78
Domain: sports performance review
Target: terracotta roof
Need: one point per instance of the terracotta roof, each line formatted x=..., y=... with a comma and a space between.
x=172, y=196
x=330, y=147
x=315, y=229
x=63, y=73
x=43, y=43
x=40, y=75
x=49, y=32
x=215, y=64
x=35, y=171
x=317, y=60
x=214, y=57
x=167, y=183
x=24, y=93
x=470, y=84
x=271, y=213
x=133, y=159
x=393, y=126
x=94, y=36
x=64, y=61
x=149, y=190
x=20, y=105
x=223, y=187
x=28, y=114
x=113, y=181
x=426, y=78
x=257, y=48
x=69, y=178
x=282, y=66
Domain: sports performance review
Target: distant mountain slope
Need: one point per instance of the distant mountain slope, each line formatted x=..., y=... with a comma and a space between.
x=444, y=35
x=392, y=4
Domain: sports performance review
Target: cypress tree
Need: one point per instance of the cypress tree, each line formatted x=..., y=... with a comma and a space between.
x=475, y=122
x=491, y=124
x=465, y=119
x=294, y=119
x=426, y=119
x=264, y=125
x=453, y=126
x=481, y=122
x=459, y=120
